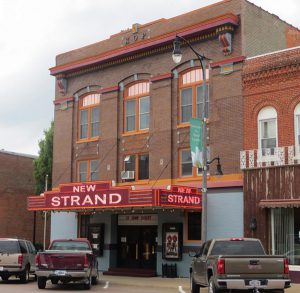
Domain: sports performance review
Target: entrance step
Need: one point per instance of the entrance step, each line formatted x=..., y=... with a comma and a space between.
x=130, y=272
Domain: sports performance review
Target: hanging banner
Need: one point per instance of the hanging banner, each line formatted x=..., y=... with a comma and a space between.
x=196, y=144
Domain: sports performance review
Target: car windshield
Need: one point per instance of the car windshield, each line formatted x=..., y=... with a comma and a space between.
x=237, y=248
x=9, y=246
x=69, y=245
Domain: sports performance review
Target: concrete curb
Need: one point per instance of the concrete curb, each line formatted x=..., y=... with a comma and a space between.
x=167, y=283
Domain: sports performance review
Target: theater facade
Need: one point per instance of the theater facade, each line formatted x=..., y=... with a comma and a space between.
x=122, y=168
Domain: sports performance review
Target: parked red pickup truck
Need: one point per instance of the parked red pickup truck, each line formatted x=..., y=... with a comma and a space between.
x=67, y=260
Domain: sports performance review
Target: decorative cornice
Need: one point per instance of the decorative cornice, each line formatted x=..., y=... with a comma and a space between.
x=228, y=61
x=161, y=77
x=156, y=45
x=63, y=100
x=109, y=90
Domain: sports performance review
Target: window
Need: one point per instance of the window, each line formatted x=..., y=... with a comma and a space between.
x=194, y=225
x=267, y=131
x=89, y=117
x=192, y=95
x=139, y=164
x=137, y=107
x=297, y=128
x=186, y=166
x=88, y=170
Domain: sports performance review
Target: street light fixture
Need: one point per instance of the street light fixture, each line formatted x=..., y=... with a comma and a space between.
x=177, y=55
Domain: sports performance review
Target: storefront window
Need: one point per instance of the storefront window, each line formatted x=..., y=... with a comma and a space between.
x=194, y=225
x=285, y=229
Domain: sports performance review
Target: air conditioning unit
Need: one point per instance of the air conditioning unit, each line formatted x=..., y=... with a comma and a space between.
x=125, y=175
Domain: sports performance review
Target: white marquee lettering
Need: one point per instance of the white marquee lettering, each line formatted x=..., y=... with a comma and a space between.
x=87, y=200
x=55, y=201
x=65, y=199
x=115, y=198
x=99, y=199
x=75, y=200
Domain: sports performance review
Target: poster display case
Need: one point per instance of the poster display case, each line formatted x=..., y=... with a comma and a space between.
x=96, y=238
x=172, y=241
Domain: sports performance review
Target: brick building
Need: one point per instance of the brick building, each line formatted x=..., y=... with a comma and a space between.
x=271, y=158
x=16, y=183
x=122, y=171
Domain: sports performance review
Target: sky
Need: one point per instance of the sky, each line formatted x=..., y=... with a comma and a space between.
x=33, y=32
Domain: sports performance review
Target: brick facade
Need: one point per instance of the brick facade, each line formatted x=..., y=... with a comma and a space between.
x=17, y=182
x=270, y=80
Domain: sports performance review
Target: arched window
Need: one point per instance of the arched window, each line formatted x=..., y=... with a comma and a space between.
x=137, y=107
x=89, y=117
x=192, y=95
x=297, y=127
x=267, y=130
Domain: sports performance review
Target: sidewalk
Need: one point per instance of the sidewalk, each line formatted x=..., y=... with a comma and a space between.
x=170, y=283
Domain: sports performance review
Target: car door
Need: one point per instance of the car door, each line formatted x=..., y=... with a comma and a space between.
x=31, y=255
x=202, y=264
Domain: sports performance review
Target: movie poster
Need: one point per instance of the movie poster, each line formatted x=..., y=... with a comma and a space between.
x=172, y=241
x=171, y=249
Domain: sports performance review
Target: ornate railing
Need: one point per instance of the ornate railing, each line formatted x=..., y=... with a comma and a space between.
x=279, y=156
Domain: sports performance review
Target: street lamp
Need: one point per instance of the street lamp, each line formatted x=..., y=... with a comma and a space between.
x=177, y=55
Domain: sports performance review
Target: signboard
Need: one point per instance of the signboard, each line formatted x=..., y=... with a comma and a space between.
x=138, y=220
x=196, y=144
x=100, y=195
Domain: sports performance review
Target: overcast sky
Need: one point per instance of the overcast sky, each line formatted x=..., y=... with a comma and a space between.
x=33, y=32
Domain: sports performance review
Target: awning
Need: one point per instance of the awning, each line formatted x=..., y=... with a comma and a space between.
x=279, y=203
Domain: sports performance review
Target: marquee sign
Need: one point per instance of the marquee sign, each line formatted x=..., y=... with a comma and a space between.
x=101, y=195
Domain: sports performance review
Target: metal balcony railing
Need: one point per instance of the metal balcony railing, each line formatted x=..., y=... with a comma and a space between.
x=279, y=156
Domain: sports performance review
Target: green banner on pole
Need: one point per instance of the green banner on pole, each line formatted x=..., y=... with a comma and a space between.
x=196, y=144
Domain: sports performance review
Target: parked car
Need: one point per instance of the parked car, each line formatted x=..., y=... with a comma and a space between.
x=238, y=263
x=67, y=260
x=17, y=258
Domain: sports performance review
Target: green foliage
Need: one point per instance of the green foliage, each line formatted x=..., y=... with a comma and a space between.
x=43, y=164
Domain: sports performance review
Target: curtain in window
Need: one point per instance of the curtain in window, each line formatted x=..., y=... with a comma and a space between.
x=186, y=163
x=83, y=171
x=143, y=167
x=268, y=135
x=282, y=221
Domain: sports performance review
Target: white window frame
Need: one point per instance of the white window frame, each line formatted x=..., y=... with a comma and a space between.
x=297, y=131
x=266, y=113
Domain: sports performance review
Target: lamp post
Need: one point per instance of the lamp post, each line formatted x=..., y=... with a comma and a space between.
x=177, y=55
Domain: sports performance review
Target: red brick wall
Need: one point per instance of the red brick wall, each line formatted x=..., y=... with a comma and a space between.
x=271, y=80
x=16, y=184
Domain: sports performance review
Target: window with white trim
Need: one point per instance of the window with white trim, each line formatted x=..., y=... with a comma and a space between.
x=297, y=128
x=267, y=131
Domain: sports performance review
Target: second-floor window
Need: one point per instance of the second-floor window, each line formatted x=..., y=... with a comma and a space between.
x=88, y=170
x=139, y=164
x=89, y=117
x=192, y=95
x=267, y=131
x=137, y=107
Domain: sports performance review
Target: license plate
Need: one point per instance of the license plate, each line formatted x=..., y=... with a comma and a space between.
x=60, y=273
x=1, y=268
x=254, y=283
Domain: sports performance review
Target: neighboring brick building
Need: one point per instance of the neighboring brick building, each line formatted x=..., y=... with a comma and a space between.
x=16, y=184
x=123, y=105
x=271, y=160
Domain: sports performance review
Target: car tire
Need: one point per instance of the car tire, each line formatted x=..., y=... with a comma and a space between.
x=41, y=281
x=4, y=278
x=87, y=284
x=24, y=276
x=95, y=280
x=195, y=288
x=54, y=281
x=211, y=286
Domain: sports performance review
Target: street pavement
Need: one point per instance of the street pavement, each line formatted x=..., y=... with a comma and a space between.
x=181, y=285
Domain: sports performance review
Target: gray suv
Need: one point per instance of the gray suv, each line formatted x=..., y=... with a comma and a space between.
x=17, y=258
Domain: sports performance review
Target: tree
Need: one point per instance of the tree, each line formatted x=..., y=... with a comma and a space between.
x=43, y=164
